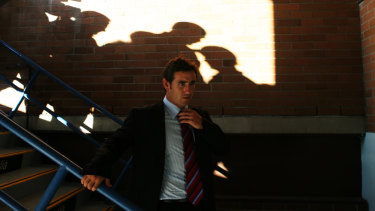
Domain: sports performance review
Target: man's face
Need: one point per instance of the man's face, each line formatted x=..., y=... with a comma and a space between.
x=181, y=90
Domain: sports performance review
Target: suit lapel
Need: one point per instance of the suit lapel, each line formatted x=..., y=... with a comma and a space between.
x=158, y=138
x=158, y=123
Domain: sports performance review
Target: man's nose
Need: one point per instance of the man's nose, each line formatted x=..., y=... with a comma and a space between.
x=188, y=89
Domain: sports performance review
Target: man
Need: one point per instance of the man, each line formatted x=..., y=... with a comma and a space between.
x=172, y=146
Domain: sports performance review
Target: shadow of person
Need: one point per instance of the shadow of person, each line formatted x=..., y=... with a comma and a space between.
x=72, y=32
x=70, y=51
x=224, y=61
x=234, y=92
x=217, y=66
x=171, y=43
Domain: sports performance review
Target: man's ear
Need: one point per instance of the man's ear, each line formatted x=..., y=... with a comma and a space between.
x=166, y=84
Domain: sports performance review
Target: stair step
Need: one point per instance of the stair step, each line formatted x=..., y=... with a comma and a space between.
x=95, y=206
x=22, y=175
x=4, y=132
x=7, y=139
x=13, y=151
x=65, y=192
x=11, y=158
x=27, y=188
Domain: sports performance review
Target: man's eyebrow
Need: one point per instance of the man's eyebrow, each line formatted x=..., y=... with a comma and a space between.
x=183, y=81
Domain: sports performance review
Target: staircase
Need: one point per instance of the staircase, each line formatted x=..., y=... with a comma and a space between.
x=25, y=176
x=35, y=176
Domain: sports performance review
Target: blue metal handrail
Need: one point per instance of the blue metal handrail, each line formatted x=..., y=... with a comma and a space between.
x=26, y=94
x=11, y=202
x=65, y=164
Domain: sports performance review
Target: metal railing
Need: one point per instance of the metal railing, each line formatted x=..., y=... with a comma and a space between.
x=38, y=69
x=65, y=165
x=26, y=95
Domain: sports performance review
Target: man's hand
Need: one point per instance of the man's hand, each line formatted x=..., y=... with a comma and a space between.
x=191, y=117
x=92, y=182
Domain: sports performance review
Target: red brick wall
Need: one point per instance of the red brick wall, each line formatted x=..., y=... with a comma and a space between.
x=317, y=60
x=367, y=11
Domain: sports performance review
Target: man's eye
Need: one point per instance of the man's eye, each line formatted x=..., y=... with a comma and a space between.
x=181, y=84
x=192, y=83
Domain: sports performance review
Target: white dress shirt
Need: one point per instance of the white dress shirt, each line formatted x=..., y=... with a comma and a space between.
x=173, y=185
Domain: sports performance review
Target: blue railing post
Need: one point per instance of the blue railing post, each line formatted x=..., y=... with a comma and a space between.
x=25, y=91
x=122, y=174
x=52, y=188
x=10, y=202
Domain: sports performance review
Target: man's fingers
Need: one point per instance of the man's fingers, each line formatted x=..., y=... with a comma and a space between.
x=83, y=179
x=191, y=117
x=185, y=118
x=92, y=182
x=108, y=182
x=186, y=115
x=95, y=185
x=89, y=185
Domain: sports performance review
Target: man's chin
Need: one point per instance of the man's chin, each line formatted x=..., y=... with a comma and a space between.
x=185, y=102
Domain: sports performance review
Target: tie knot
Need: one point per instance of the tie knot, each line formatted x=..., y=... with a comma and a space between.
x=179, y=120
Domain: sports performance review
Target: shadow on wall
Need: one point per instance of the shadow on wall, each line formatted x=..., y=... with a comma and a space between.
x=310, y=57
x=125, y=75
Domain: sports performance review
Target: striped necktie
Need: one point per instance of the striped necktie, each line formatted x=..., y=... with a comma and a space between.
x=194, y=188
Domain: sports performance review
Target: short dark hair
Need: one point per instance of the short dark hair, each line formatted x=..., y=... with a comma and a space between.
x=177, y=64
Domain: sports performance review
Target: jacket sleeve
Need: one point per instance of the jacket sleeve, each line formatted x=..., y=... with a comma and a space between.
x=111, y=150
x=212, y=135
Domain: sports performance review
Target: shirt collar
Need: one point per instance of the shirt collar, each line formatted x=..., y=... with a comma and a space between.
x=171, y=108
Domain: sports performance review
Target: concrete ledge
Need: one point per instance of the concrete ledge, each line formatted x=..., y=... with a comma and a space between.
x=293, y=124
x=230, y=124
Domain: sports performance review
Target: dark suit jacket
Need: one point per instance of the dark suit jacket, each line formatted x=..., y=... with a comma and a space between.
x=144, y=132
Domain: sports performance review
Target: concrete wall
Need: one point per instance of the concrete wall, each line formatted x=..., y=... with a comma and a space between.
x=367, y=9
x=368, y=170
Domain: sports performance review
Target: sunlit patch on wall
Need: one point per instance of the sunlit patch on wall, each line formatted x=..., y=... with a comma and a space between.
x=222, y=168
x=243, y=27
x=51, y=18
x=89, y=121
x=206, y=71
x=45, y=115
x=9, y=97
